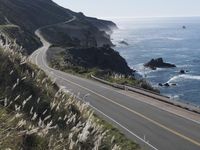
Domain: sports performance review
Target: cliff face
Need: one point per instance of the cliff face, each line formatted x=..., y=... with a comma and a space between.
x=103, y=59
x=29, y=15
x=78, y=33
x=103, y=25
x=20, y=18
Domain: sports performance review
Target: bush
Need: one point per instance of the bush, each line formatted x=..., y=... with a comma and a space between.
x=39, y=116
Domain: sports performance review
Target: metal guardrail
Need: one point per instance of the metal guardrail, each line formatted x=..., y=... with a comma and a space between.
x=151, y=94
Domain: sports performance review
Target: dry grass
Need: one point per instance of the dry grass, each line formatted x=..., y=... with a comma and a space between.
x=36, y=114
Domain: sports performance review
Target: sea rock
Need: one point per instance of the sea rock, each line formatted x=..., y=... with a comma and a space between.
x=182, y=72
x=124, y=43
x=166, y=84
x=158, y=63
x=173, y=84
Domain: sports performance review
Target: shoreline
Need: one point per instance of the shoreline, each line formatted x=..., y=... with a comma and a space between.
x=169, y=95
x=169, y=74
x=109, y=100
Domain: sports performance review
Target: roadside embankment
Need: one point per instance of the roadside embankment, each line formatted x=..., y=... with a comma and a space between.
x=151, y=94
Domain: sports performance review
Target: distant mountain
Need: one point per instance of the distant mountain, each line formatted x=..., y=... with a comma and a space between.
x=32, y=14
x=29, y=15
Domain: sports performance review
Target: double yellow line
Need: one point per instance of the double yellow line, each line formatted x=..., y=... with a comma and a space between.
x=130, y=110
x=136, y=113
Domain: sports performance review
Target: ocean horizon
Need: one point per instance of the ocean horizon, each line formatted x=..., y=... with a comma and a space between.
x=150, y=38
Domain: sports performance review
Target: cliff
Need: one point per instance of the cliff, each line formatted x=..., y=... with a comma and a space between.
x=29, y=15
x=102, y=59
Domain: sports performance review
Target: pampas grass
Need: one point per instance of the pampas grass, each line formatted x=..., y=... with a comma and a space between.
x=38, y=110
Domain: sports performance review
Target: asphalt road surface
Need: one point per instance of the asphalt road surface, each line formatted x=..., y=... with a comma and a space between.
x=152, y=124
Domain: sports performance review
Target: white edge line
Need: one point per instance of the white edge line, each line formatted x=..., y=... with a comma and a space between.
x=128, y=96
x=135, y=135
x=119, y=93
x=173, y=113
x=124, y=128
x=147, y=143
x=107, y=115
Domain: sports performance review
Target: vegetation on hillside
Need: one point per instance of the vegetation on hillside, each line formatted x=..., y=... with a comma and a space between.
x=87, y=59
x=29, y=15
x=36, y=114
x=104, y=63
x=14, y=34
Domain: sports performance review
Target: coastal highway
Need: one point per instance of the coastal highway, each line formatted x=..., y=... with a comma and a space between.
x=153, y=124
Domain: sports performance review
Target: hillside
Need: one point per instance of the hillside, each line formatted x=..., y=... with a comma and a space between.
x=85, y=59
x=35, y=114
x=78, y=33
x=29, y=15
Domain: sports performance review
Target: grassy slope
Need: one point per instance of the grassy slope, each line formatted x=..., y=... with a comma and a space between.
x=8, y=26
x=35, y=115
x=15, y=34
x=68, y=62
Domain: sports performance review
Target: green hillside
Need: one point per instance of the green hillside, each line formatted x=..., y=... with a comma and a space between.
x=36, y=114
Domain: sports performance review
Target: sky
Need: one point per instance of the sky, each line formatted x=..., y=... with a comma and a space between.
x=133, y=8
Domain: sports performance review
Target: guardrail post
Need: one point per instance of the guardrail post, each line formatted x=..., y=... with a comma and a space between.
x=125, y=88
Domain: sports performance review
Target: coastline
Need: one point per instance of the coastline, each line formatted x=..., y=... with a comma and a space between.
x=134, y=56
x=110, y=100
x=167, y=99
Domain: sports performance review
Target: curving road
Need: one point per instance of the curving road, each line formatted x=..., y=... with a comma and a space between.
x=151, y=123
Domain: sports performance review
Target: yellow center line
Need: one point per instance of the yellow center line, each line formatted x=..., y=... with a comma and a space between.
x=130, y=110
x=137, y=113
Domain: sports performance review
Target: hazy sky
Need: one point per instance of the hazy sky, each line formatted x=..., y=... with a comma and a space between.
x=133, y=8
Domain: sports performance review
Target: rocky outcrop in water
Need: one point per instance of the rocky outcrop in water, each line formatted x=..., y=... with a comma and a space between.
x=123, y=42
x=158, y=63
x=182, y=71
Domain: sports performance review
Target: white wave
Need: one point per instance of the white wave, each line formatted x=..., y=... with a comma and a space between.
x=184, y=76
x=143, y=71
x=184, y=66
x=174, y=38
x=174, y=97
x=162, y=38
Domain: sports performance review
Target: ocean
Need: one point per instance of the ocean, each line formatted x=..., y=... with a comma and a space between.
x=149, y=38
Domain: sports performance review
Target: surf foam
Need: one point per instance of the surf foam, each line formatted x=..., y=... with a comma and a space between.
x=183, y=76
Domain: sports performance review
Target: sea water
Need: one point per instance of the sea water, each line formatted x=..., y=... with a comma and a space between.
x=149, y=38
